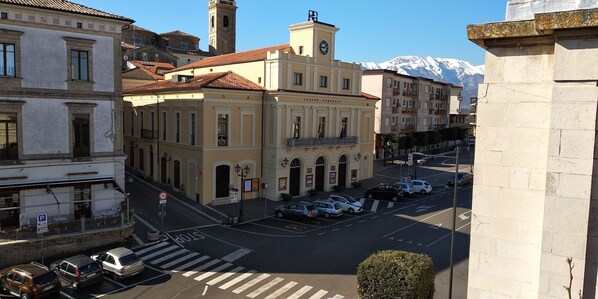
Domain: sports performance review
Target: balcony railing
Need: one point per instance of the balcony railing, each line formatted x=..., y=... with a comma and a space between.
x=394, y=128
x=410, y=93
x=409, y=128
x=149, y=134
x=439, y=126
x=316, y=142
x=81, y=151
x=396, y=110
x=396, y=92
x=409, y=111
x=440, y=111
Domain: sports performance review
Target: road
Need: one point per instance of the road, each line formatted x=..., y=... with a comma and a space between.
x=283, y=258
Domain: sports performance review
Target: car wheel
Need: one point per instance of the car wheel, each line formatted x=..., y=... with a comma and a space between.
x=326, y=215
x=370, y=196
x=423, y=192
x=395, y=198
x=24, y=296
x=351, y=211
x=279, y=214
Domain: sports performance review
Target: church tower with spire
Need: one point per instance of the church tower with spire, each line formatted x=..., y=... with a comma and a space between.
x=222, y=18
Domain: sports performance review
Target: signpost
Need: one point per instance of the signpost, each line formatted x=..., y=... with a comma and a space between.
x=42, y=227
x=162, y=197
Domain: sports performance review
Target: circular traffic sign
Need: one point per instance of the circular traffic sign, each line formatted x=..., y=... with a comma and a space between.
x=162, y=195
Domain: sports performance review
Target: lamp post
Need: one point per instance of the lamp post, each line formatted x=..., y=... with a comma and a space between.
x=242, y=173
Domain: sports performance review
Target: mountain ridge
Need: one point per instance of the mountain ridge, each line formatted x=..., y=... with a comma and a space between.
x=450, y=70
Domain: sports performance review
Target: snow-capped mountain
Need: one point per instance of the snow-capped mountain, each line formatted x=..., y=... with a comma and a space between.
x=449, y=70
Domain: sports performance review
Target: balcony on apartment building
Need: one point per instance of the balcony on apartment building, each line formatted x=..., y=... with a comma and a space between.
x=439, y=126
x=394, y=128
x=396, y=110
x=149, y=134
x=396, y=92
x=410, y=93
x=439, y=111
x=408, y=128
x=409, y=111
x=317, y=142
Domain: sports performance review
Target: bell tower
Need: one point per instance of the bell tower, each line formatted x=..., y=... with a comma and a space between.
x=222, y=26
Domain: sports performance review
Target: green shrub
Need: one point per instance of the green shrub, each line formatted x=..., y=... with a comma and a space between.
x=397, y=275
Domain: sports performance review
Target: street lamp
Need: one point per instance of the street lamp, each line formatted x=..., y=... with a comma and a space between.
x=242, y=173
x=451, y=263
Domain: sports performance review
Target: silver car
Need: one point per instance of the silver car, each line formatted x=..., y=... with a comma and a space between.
x=406, y=187
x=121, y=262
x=328, y=208
x=348, y=203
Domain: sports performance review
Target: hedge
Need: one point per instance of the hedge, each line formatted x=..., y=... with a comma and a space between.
x=396, y=275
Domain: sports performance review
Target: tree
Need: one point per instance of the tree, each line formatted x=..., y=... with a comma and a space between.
x=422, y=138
x=435, y=137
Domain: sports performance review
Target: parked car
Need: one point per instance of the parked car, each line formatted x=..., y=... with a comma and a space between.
x=79, y=271
x=462, y=179
x=421, y=186
x=301, y=210
x=406, y=187
x=328, y=208
x=348, y=203
x=385, y=191
x=120, y=262
x=31, y=280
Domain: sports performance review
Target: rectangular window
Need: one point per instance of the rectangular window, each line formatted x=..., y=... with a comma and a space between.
x=4, y=15
x=387, y=121
x=322, y=127
x=82, y=202
x=344, y=127
x=192, y=129
x=346, y=83
x=152, y=116
x=388, y=82
x=144, y=56
x=81, y=145
x=141, y=121
x=222, y=129
x=177, y=127
x=79, y=65
x=157, y=57
x=7, y=60
x=323, y=81
x=298, y=79
x=138, y=40
x=9, y=145
x=132, y=123
x=163, y=126
x=297, y=127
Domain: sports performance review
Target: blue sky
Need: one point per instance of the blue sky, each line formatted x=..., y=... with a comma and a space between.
x=370, y=31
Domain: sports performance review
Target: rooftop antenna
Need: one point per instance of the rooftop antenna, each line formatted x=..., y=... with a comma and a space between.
x=312, y=15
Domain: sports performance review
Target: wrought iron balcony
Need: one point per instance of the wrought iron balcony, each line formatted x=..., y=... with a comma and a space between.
x=317, y=142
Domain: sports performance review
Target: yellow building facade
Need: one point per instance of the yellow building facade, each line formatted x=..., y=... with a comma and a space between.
x=291, y=115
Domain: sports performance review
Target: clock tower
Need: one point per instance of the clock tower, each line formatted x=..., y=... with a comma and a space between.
x=313, y=38
x=222, y=24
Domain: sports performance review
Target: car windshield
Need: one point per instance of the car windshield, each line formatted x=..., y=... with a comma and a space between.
x=337, y=206
x=350, y=198
x=91, y=267
x=45, y=278
x=128, y=259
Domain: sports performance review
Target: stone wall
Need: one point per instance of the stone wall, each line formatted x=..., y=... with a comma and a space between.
x=24, y=251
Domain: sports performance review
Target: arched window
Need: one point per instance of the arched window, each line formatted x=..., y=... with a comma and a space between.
x=321, y=161
x=225, y=21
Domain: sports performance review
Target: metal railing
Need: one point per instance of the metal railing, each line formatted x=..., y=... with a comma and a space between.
x=315, y=142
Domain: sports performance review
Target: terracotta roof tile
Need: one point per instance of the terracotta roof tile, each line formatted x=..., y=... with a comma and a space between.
x=369, y=96
x=62, y=5
x=151, y=68
x=247, y=56
x=226, y=80
x=178, y=32
x=138, y=28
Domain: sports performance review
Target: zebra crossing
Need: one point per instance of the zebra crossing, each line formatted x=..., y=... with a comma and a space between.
x=375, y=204
x=227, y=276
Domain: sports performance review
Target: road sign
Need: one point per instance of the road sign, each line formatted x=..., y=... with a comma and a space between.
x=163, y=196
x=410, y=160
x=42, y=223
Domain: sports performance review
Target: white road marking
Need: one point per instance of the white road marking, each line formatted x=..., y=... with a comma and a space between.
x=236, y=255
x=375, y=206
x=337, y=296
x=349, y=225
x=319, y=294
x=282, y=290
x=361, y=201
x=169, y=256
x=391, y=204
x=265, y=287
x=159, y=252
x=446, y=235
x=138, y=240
x=146, y=223
x=190, y=264
x=186, y=257
x=361, y=221
x=142, y=251
x=300, y=292
x=200, y=268
x=251, y=283
x=236, y=280
x=224, y=276
x=205, y=290
x=212, y=272
x=418, y=222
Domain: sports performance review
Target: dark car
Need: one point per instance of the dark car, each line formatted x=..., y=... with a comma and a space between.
x=385, y=191
x=301, y=210
x=79, y=271
x=31, y=280
x=462, y=179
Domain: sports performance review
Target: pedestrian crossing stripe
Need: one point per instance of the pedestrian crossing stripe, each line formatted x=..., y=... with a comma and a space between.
x=217, y=270
x=375, y=206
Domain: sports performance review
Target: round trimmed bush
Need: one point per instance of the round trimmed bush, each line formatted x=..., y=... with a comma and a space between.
x=397, y=275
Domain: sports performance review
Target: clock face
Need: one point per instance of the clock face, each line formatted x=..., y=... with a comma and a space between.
x=324, y=47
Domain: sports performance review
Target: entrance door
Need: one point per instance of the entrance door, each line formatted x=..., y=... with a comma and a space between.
x=222, y=181
x=342, y=171
x=163, y=170
x=295, y=177
x=320, y=173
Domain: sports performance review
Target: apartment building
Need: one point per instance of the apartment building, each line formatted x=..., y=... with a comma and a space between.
x=291, y=116
x=60, y=139
x=409, y=104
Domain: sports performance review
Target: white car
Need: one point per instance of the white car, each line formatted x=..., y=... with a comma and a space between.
x=348, y=203
x=121, y=262
x=421, y=186
x=407, y=188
